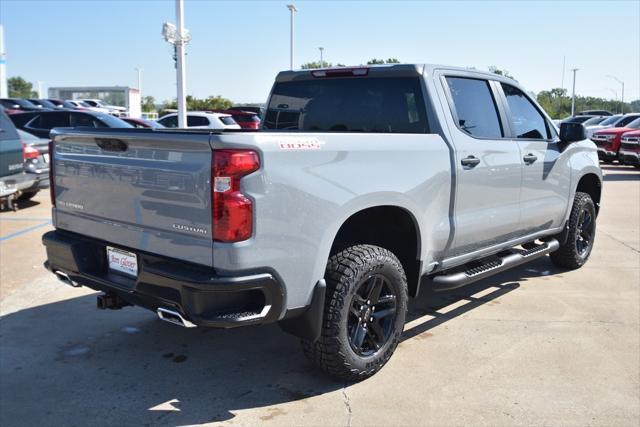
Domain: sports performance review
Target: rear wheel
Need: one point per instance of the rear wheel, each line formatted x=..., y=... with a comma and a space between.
x=582, y=232
x=364, y=313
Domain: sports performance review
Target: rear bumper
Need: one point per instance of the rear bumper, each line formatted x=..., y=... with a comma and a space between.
x=202, y=296
x=17, y=183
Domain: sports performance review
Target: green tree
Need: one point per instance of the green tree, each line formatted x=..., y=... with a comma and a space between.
x=498, y=71
x=194, y=104
x=316, y=64
x=20, y=88
x=148, y=104
x=376, y=61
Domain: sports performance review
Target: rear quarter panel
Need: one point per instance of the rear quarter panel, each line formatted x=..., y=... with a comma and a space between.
x=309, y=184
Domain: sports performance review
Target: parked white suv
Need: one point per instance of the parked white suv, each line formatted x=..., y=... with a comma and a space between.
x=201, y=119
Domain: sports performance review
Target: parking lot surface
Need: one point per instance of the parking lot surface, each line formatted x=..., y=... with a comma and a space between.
x=536, y=346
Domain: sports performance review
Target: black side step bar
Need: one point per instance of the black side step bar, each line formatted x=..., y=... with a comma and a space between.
x=443, y=282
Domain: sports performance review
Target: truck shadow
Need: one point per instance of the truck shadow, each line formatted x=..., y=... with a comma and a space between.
x=65, y=364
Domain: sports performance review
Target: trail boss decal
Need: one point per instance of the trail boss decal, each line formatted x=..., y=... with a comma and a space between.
x=301, y=144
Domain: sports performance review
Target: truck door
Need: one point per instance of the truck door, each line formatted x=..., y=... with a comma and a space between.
x=546, y=175
x=488, y=164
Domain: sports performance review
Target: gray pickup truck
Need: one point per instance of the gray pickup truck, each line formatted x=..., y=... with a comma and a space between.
x=364, y=185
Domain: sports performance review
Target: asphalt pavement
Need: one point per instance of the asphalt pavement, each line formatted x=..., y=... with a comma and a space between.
x=535, y=346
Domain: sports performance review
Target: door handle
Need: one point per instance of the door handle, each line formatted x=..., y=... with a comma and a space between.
x=470, y=161
x=530, y=158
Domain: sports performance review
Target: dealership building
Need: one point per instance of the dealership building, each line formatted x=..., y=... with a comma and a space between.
x=122, y=96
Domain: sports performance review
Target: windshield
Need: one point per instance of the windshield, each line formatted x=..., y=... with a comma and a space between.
x=113, y=122
x=24, y=103
x=371, y=104
x=593, y=121
x=625, y=120
x=578, y=119
x=27, y=137
x=611, y=120
x=634, y=124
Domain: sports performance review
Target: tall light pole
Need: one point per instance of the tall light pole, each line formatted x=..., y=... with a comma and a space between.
x=139, y=70
x=615, y=94
x=293, y=10
x=179, y=37
x=180, y=65
x=321, y=60
x=622, y=94
x=573, y=93
x=4, y=93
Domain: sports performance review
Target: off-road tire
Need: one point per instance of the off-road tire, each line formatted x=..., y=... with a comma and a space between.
x=568, y=255
x=346, y=270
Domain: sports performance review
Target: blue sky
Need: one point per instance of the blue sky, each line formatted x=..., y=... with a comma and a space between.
x=238, y=47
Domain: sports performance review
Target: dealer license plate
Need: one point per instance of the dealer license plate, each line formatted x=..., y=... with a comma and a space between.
x=122, y=261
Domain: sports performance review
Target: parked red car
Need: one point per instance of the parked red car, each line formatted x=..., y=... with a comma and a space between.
x=608, y=141
x=629, y=153
x=246, y=119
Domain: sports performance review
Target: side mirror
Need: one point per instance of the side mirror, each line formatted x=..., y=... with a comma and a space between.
x=572, y=132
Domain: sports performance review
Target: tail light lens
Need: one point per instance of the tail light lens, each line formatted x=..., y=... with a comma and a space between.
x=28, y=152
x=52, y=175
x=232, y=211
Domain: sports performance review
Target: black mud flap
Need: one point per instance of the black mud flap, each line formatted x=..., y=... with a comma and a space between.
x=308, y=324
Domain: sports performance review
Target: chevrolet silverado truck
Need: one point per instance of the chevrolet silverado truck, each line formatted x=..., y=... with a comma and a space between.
x=363, y=186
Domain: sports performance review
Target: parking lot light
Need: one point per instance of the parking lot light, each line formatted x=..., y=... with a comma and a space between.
x=292, y=9
x=622, y=94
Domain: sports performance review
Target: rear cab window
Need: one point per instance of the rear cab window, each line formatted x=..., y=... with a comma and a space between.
x=475, y=107
x=363, y=104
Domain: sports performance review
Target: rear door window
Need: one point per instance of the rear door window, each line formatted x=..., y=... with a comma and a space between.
x=197, y=121
x=169, y=122
x=47, y=121
x=367, y=104
x=526, y=120
x=475, y=107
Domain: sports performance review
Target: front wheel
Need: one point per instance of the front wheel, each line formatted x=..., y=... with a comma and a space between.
x=582, y=232
x=364, y=313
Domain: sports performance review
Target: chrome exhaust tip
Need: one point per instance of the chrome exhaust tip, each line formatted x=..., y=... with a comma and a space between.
x=64, y=278
x=174, y=317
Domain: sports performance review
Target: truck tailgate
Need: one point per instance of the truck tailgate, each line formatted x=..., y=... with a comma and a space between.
x=139, y=189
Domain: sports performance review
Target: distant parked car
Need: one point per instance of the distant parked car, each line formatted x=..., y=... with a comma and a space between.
x=629, y=153
x=81, y=105
x=246, y=119
x=257, y=110
x=36, y=161
x=17, y=105
x=201, y=119
x=595, y=113
x=13, y=179
x=608, y=140
x=116, y=110
x=41, y=123
x=617, y=120
x=43, y=103
x=142, y=123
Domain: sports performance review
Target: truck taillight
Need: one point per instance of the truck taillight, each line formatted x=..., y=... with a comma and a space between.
x=52, y=186
x=232, y=211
